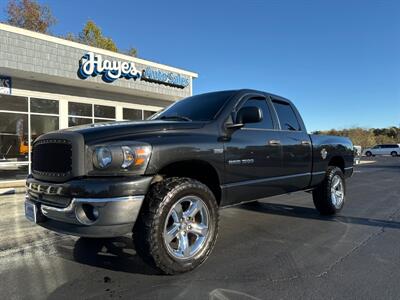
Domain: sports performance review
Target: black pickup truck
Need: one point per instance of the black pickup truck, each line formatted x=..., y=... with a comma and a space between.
x=164, y=179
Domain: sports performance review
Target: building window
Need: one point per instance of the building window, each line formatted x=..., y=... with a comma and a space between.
x=16, y=134
x=102, y=111
x=80, y=109
x=102, y=121
x=147, y=114
x=13, y=103
x=82, y=113
x=44, y=106
x=42, y=124
x=76, y=121
x=132, y=114
x=14, y=137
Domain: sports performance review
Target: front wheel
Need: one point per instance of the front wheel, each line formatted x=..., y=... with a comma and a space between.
x=178, y=225
x=329, y=196
x=368, y=153
x=393, y=154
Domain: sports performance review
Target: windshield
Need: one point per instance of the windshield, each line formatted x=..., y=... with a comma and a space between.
x=202, y=107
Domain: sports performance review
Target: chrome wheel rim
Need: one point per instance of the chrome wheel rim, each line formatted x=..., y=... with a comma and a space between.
x=337, y=191
x=186, y=227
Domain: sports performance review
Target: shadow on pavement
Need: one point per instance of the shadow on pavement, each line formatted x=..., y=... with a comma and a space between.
x=311, y=213
x=116, y=254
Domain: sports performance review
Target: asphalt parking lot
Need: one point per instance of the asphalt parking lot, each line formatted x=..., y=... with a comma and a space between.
x=279, y=248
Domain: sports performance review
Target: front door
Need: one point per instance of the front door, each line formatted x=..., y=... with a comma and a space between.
x=253, y=157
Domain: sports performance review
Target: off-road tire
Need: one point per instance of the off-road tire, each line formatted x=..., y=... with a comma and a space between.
x=322, y=194
x=149, y=227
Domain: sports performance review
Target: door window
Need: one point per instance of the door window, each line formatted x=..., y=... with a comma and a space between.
x=286, y=115
x=261, y=103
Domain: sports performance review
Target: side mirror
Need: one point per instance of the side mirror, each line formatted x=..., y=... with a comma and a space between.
x=250, y=114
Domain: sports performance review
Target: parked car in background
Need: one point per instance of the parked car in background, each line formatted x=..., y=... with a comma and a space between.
x=383, y=149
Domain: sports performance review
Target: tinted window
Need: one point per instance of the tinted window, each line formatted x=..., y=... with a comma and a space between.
x=102, y=111
x=132, y=114
x=286, y=115
x=266, y=122
x=44, y=106
x=202, y=107
x=79, y=109
x=13, y=103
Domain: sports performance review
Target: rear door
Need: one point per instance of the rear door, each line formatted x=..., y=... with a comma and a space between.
x=296, y=147
x=253, y=156
x=386, y=149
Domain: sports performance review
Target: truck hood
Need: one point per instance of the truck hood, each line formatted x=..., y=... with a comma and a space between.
x=104, y=131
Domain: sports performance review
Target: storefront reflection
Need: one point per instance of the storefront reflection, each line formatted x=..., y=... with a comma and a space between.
x=13, y=146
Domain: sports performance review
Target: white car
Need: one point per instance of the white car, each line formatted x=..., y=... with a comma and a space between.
x=383, y=149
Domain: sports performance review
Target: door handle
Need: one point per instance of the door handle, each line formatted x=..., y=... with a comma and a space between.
x=274, y=142
x=305, y=143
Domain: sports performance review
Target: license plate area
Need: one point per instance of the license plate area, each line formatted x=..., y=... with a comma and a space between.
x=31, y=211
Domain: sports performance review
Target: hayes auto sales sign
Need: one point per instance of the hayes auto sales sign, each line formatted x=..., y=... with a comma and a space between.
x=94, y=65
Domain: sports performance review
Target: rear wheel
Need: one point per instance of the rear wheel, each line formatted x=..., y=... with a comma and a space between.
x=178, y=226
x=329, y=196
x=393, y=154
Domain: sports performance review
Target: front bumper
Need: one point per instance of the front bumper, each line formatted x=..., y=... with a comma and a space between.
x=90, y=207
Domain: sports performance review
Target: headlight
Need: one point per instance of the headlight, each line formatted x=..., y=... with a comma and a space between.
x=102, y=157
x=120, y=158
x=129, y=157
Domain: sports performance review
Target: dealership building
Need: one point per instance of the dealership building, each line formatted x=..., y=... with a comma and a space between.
x=48, y=83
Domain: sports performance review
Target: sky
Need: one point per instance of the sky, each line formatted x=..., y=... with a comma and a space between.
x=338, y=61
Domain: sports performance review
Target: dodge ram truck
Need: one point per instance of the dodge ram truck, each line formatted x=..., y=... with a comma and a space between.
x=164, y=179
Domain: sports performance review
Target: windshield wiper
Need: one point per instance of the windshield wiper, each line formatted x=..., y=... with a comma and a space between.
x=177, y=117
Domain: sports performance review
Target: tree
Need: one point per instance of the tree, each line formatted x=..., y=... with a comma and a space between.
x=132, y=52
x=92, y=35
x=367, y=137
x=30, y=15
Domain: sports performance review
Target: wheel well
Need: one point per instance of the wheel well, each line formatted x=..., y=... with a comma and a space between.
x=195, y=169
x=337, y=161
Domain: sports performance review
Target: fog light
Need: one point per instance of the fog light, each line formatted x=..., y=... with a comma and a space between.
x=87, y=214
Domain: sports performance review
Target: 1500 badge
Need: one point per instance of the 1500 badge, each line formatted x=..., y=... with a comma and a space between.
x=241, y=161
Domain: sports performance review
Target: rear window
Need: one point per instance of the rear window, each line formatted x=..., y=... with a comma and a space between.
x=286, y=115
